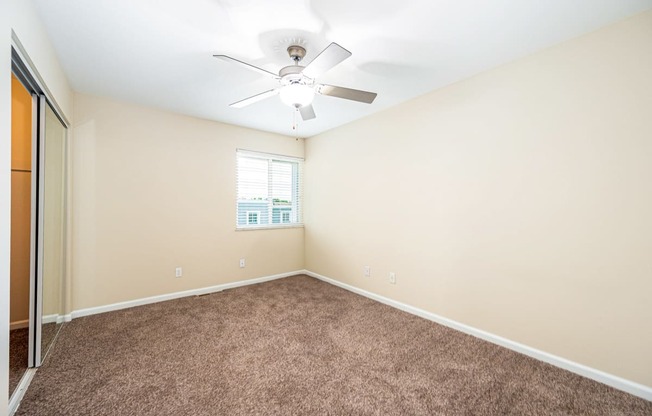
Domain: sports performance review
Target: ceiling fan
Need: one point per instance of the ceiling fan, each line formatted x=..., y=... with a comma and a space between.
x=297, y=83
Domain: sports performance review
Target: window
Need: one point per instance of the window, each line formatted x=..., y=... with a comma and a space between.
x=268, y=190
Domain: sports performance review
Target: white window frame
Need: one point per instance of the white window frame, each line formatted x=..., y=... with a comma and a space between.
x=296, y=214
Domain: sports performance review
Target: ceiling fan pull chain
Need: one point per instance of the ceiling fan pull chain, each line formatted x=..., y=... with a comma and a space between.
x=294, y=119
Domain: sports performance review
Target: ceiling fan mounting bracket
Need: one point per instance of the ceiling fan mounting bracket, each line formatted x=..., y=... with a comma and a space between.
x=296, y=52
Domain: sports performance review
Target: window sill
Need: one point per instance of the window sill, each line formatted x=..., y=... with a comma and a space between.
x=269, y=227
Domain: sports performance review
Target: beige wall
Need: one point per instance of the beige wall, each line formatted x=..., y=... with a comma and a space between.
x=517, y=201
x=154, y=190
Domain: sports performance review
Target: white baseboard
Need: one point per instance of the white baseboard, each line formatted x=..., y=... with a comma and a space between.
x=19, y=393
x=19, y=324
x=616, y=382
x=48, y=319
x=169, y=296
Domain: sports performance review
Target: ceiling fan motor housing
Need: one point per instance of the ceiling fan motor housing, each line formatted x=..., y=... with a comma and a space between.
x=292, y=75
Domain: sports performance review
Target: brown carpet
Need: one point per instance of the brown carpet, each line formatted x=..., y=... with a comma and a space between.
x=297, y=346
x=18, y=352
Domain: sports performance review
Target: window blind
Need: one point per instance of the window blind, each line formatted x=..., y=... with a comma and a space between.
x=269, y=190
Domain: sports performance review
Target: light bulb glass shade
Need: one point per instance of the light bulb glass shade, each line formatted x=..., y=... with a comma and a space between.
x=297, y=95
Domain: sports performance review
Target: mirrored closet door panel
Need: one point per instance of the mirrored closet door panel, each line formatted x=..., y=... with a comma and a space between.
x=52, y=219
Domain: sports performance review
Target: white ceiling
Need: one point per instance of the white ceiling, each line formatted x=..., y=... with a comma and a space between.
x=159, y=52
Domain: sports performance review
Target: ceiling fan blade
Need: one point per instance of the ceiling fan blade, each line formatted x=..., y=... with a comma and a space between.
x=327, y=59
x=246, y=65
x=307, y=112
x=254, y=98
x=346, y=93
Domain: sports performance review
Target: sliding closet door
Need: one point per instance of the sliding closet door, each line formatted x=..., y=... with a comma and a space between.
x=51, y=226
x=47, y=202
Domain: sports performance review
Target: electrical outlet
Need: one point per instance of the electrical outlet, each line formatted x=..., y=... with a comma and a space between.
x=367, y=271
x=178, y=272
x=392, y=278
x=242, y=263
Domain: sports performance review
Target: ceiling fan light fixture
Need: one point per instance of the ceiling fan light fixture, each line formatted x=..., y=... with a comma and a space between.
x=297, y=95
